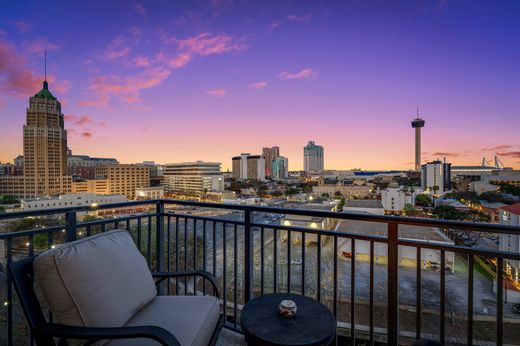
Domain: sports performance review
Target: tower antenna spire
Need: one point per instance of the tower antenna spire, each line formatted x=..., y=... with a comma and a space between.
x=45, y=84
x=417, y=112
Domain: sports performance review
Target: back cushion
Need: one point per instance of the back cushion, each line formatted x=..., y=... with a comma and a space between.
x=99, y=281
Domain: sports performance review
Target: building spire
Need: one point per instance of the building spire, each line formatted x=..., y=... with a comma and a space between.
x=45, y=84
x=417, y=112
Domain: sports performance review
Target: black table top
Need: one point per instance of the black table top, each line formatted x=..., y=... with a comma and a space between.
x=313, y=324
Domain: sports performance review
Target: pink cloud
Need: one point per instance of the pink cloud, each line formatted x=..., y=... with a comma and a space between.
x=78, y=120
x=307, y=73
x=294, y=17
x=258, y=85
x=139, y=9
x=208, y=44
x=512, y=154
x=498, y=147
x=127, y=88
x=446, y=154
x=136, y=32
x=141, y=61
x=274, y=25
x=180, y=60
x=217, y=92
x=86, y=134
x=17, y=79
x=117, y=48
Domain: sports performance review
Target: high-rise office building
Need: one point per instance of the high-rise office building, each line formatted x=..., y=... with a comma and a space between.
x=247, y=166
x=312, y=157
x=193, y=177
x=270, y=154
x=436, y=177
x=280, y=168
x=124, y=179
x=45, y=151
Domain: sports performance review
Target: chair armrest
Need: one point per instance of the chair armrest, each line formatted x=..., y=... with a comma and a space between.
x=94, y=334
x=207, y=275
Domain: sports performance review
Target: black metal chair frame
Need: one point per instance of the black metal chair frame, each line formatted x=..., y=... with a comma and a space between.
x=44, y=332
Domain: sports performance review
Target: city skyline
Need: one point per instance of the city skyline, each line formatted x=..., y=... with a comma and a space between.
x=214, y=80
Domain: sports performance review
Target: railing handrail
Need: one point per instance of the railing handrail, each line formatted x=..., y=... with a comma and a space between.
x=474, y=226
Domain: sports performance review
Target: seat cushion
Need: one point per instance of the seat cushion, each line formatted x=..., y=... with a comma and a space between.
x=191, y=319
x=98, y=281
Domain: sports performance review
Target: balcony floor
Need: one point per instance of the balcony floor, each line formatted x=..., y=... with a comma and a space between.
x=230, y=338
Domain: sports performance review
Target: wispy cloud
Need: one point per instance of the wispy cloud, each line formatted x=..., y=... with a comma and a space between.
x=40, y=45
x=209, y=44
x=307, y=73
x=217, y=92
x=86, y=134
x=126, y=88
x=498, y=147
x=511, y=154
x=139, y=9
x=299, y=18
x=17, y=79
x=290, y=18
x=447, y=154
x=23, y=26
x=258, y=85
x=141, y=61
x=117, y=48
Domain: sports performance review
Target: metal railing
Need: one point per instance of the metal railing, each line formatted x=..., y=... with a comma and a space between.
x=251, y=258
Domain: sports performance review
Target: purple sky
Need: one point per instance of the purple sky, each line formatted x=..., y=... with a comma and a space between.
x=206, y=80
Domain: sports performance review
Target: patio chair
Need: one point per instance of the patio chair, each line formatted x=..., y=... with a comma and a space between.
x=100, y=291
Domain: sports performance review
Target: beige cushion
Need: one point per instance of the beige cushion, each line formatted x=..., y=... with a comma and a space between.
x=191, y=319
x=99, y=281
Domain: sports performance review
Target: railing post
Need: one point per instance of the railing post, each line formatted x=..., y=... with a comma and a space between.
x=70, y=227
x=159, y=240
x=393, y=268
x=248, y=256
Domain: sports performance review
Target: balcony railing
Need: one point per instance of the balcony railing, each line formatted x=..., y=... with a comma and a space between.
x=366, y=290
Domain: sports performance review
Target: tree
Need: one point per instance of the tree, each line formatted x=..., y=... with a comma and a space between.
x=277, y=193
x=2, y=210
x=7, y=199
x=325, y=195
x=423, y=200
x=409, y=210
x=435, y=188
x=341, y=204
x=447, y=212
x=510, y=189
x=292, y=191
x=338, y=194
x=496, y=197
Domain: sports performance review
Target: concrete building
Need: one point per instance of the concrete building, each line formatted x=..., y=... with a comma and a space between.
x=85, y=166
x=348, y=190
x=280, y=168
x=510, y=215
x=151, y=192
x=124, y=179
x=71, y=200
x=45, y=151
x=395, y=199
x=195, y=178
x=436, y=177
x=481, y=186
x=417, y=124
x=270, y=154
x=365, y=206
x=96, y=186
x=247, y=166
x=313, y=157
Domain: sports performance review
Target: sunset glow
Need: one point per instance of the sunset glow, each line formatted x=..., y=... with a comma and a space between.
x=185, y=81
